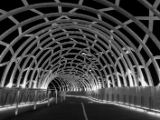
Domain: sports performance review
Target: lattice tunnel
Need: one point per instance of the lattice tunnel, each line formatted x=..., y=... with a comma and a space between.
x=79, y=45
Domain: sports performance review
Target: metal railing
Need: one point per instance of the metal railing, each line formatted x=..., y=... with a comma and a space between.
x=19, y=96
x=142, y=97
x=147, y=98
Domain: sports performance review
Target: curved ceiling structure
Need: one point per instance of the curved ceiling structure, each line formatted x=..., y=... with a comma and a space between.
x=79, y=44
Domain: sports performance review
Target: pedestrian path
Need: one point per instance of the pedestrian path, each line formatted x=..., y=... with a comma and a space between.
x=82, y=109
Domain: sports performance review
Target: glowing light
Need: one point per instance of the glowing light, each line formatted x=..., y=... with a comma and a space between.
x=43, y=87
x=9, y=85
x=35, y=83
x=23, y=85
x=94, y=88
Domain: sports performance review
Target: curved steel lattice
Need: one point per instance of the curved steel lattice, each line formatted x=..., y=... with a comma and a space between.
x=80, y=44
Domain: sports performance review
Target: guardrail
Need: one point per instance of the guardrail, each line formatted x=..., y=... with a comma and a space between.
x=147, y=98
x=141, y=97
x=16, y=97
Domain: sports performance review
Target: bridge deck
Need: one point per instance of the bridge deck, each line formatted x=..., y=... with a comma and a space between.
x=82, y=109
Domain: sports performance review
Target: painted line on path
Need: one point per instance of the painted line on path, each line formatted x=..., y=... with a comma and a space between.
x=84, y=112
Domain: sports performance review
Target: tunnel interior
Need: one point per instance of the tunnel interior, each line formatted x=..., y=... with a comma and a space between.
x=79, y=45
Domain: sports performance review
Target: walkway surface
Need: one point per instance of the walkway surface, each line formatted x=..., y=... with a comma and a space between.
x=83, y=109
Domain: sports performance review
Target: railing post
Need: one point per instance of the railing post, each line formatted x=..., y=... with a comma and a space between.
x=64, y=96
x=35, y=99
x=48, y=97
x=17, y=102
x=61, y=97
x=56, y=96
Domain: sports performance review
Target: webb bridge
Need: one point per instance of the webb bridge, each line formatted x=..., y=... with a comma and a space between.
x=81, y=58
